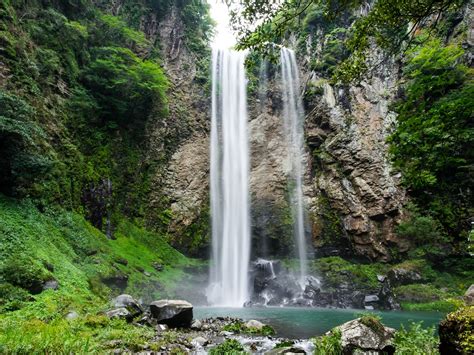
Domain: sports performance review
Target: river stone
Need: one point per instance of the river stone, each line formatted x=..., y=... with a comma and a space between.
x=128, y=302
x=196, y=324
x=254, y=324
x=356, y=335
x=469, y=296
x=200, y=341
x=72, y=315
x=174, y=313
x=285, y=350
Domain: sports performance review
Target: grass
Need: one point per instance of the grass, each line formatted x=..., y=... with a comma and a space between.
x=61, y=245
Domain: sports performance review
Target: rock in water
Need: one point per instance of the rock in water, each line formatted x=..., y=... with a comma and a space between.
x=254, y=324
x=373, y=337
x=128, y=302
x=174, y=313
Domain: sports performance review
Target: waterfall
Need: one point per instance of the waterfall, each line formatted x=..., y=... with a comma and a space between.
x=293, y=126
x=230, y=209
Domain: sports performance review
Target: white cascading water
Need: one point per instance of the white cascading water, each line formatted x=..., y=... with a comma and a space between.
x=230, y=209
x=293, y=124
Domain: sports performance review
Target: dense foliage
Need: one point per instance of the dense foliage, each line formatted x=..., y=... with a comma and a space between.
x=388, y=23
x=433, y=138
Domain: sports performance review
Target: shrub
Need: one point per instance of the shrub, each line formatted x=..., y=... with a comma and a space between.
x=416, y=340
x=230, y=346
x=329, y=344
x=22, y=271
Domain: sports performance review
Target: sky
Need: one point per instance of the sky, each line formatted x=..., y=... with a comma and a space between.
x=220, y=13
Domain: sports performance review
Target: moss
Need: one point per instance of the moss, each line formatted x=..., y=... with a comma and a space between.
x=457, y=332
x=240, y=327
x=336, y=270
x=372, y=321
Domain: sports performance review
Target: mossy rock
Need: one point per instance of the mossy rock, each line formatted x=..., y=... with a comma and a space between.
x=456, y=332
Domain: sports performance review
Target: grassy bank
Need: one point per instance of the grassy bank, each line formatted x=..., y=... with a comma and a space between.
x=89, y=268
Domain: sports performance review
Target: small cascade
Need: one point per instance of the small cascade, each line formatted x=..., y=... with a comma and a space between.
x=293, y=125
x=230, y=209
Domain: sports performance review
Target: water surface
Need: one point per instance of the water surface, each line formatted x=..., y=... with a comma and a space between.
x=308, y=322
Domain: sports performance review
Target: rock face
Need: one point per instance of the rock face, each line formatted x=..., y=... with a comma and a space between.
x=346, y=130
x=355, y=335
x=174, y=313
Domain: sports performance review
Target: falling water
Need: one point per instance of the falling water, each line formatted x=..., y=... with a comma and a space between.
x=293, y=122
x=229, y=181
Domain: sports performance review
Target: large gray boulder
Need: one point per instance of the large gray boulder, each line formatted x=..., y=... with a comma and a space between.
x=129, y=303
x=401, y=276
x=174, y=313
x=368, y=336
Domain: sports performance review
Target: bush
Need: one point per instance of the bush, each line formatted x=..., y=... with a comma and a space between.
x=416, y=340
x=230, y=346
x=329, y=344
x=22, y=271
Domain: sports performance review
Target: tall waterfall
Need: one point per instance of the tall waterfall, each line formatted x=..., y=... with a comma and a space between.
x=293, y=124
x=229, y=181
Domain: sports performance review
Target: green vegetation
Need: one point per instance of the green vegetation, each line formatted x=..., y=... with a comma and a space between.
x=431, y=143
x=416, y=340
x=337, y=270
x=372, y=321
x=61, y=245
x=229, y=346
x=457, y=331
x=329, y=344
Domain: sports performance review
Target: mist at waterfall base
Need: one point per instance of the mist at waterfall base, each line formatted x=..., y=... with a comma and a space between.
x=230, y=268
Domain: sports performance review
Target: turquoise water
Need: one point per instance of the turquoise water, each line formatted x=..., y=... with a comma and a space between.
x=308, y=322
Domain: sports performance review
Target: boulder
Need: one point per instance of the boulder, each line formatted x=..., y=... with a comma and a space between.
x=128, y=302
x=120, y=313
x=371, y=336
x=288, y=350
x=174, y=313
x=254, y=324
x=469, y=296
x=402, y=276
x=196, y=324
x=371, y=298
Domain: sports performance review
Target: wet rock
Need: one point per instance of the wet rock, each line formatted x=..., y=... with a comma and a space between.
x=174, y=313
x=381, y=278
x=128, y=302
x=355, y=335
x=402, y=276
x=469, y=296
x=50, y=285
x=119, y=313
x=161, y=328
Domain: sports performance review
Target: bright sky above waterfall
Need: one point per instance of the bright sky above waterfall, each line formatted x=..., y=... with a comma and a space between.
x=220, y=13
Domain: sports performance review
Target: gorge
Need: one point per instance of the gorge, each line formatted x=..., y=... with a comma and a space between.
x=162, y=194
